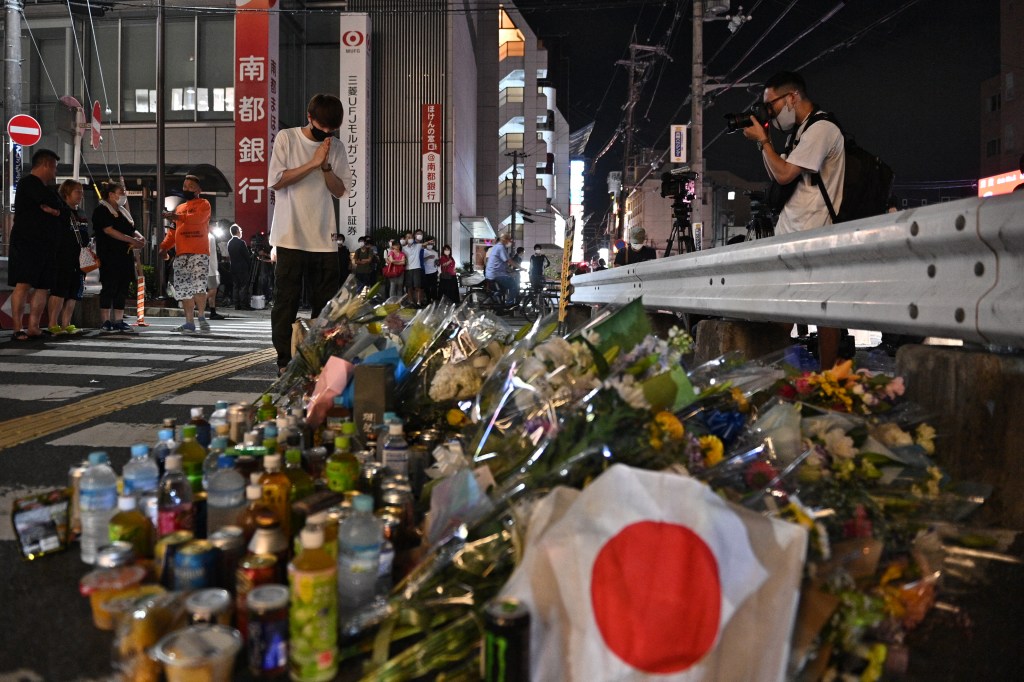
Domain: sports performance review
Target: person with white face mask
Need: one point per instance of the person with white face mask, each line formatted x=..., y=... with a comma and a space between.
x=815, y=151
x=116, y=237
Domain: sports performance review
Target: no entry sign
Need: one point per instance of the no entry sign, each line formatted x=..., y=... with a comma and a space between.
x=24, y=130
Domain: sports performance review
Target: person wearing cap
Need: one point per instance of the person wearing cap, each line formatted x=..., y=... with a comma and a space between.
x=241, y=264
x=500, y=266
x=189, y=236
x=636, y=251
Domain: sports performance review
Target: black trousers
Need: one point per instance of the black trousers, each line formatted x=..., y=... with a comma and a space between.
x=240, y=288
x=319, y=271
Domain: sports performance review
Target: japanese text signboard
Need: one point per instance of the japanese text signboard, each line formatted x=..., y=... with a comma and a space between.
x=430, y=148
x=257, y=85
x=354, y=92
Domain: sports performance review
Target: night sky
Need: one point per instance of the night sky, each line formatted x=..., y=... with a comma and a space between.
x=908, y=89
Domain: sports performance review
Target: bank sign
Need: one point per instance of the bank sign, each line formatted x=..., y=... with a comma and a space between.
x=354, y=92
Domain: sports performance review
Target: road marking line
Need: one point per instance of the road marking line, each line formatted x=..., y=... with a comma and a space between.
x=30, y=392
x=23, y=429
x=207, y=399
x=113, y=435
x=72, y=353
x=95, y=370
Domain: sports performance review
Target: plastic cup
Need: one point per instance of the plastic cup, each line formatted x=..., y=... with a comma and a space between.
x=105, y=584
x=203, y=653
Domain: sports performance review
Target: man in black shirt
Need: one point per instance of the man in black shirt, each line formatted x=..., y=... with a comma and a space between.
x=241, y=263
x=637, y=250
x=33, y=242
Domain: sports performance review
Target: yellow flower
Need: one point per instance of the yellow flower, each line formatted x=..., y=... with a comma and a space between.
x=924, y=435
x=456, y=418
x=742, y=404
x=670, y=425
x=712, y=449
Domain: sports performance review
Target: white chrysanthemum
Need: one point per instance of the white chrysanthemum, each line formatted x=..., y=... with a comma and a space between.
x=839, y=444
x=891, y=435
x=630, y=391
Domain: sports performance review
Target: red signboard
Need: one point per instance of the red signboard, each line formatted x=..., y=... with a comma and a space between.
x=24, y=130
x=999, y=184
x=256, y=112
x=430, y=149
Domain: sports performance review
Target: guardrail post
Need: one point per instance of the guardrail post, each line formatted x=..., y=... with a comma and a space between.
x=753, y=339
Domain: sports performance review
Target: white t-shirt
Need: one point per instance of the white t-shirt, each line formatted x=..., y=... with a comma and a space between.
x=429, y=261
x=412, y=256
x=821, y=150
x=304, y=212
x=214, y=271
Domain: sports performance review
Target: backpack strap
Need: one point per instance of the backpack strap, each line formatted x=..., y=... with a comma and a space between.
x=816, y=177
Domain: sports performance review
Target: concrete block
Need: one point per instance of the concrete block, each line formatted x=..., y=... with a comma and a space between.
x=87, y=313
x=978, y=402
x=753, y=339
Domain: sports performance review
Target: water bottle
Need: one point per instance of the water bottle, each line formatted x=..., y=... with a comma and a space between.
x=165, y=445
x=141, y=473
x=395, y=456
x=97, y=503
x=174, y=503
x=204, y=431
x=359, y=546
x=219, y=415
x=382, y=432
x=212, y=462
x=225, y=496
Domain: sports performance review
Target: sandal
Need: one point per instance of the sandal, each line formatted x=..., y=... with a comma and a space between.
x=21, y=335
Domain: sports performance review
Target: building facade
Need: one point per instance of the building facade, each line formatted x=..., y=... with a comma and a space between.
x=1002, y=98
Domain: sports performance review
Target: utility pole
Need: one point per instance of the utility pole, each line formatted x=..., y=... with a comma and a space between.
x=640, y=57
x=697, y=119
x=12, y=90
x=516, y=155
x=161, y=24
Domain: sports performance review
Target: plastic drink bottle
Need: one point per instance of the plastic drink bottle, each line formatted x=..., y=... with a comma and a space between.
x=395, y=456
x=225, y=495
x=313, y=613
x=165, y=445
x=192, y=456
x=337, y=414
x=382, y=430
x=276, y=487
x=204, y=432
x=270, y=441
x=342, y=467
x=349, y=429
x=219, y=415
x=253, y=510
x=141, y=474
x=130, y=525
x=97, y=503
x=212, y=462
x=359, y=544
x=301, y=482
x=174, y=502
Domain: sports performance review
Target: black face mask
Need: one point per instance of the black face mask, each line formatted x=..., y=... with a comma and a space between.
x=319, y=135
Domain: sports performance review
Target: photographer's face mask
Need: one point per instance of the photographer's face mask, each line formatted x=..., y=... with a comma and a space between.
x=786, y=118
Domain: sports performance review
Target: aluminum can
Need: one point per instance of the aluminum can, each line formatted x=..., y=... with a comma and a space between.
x=270, y=539
x=75, y=474
x=253, y=570
x=166, y=549
x=267, y=649
x=195, y=566
x=506, y=643
x=240, y=419
x=115, y=555
x=211, y=606
x=230, y=544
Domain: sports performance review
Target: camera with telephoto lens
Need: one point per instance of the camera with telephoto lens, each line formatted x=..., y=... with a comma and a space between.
x=742, y=120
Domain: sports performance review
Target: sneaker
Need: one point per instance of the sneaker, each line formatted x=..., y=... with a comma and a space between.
x=71, y=329
x=56, y=330
x=186, y=328
x=108, y=326
x=124, y=327
x=203, y=324
x=214, y=315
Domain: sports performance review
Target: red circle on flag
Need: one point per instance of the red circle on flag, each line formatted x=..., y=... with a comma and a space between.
x=24, y=130
x=352, y=38
x=657, y=597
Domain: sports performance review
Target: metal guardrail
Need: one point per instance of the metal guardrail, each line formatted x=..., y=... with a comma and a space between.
x=954, y=270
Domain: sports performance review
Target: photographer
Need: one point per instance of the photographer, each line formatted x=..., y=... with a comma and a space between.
x=812, y=154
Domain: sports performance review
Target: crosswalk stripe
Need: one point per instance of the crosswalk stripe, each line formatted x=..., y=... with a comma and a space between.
x=206, y=346
x=23, y=429
x=29, y=392
x=70, y=353
x=97, y=370
x=110, y=435
x=208, y=398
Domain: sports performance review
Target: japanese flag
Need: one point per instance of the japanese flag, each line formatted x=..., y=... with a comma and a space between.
x=648, y=575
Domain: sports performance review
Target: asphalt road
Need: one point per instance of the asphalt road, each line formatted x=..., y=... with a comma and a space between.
x=55, y=385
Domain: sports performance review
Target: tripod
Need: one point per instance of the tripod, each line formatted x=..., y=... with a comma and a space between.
x=681, y=229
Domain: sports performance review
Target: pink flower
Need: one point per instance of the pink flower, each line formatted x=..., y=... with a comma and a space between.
x=894, y=388
x=803, y=386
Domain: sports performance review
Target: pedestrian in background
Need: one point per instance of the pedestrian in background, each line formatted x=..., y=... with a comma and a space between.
x=69, y=281
x=33, y=239
x=430, y=270
x=116, y=237
x=448, y=284
x=413, y=250
x=213, y=281
x=189, y=237
x=241, y=262
x=307, y=172
x=538, y=261
x=364, y=263
x=394, y=268
x=344, y=261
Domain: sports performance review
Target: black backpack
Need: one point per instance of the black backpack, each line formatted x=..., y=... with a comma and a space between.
x=866, y=187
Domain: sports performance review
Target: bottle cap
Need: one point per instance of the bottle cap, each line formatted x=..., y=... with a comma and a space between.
x=389, y=416
x=363, y=503
x=395, y=428
x=98, y=458
x=126, y=502
x=342, y=443
x=188, y=431
x=220, y=405
x=270, y=431
x=140, y=450
x=312, y=537
x=348, y=428
x=165, y=434
x=219, y=443
x=272, y=462
x=225, y=462
x=172, y=463
x=197, y=413
x=253, y=491
x=292, y=456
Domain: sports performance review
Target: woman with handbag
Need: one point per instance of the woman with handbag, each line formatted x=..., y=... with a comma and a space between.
x=115, y=239
x=394, y=268
x=69, y=282
x=449, y=280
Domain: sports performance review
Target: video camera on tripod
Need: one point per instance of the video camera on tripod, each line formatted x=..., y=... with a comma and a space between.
x=679, y=184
